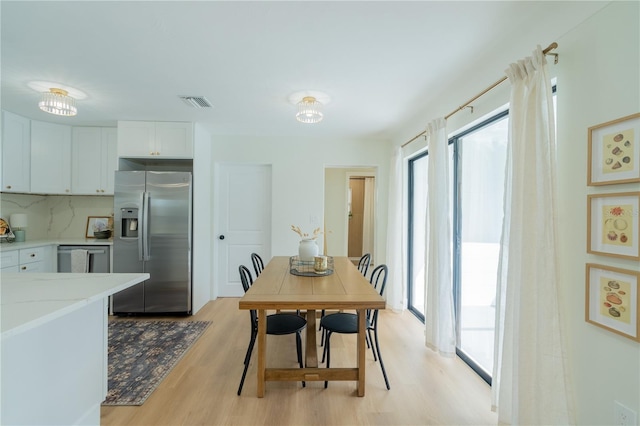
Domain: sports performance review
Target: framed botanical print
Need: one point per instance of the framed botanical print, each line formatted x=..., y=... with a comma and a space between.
x=612, y=299
x=614, y=152
x=613, y=221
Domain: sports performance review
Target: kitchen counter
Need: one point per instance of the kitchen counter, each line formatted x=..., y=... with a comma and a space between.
x=29, y=300
x=56, y=242
x=54, y=346
x=41, y=255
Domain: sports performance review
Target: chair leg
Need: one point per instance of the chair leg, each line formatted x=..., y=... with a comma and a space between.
x=252, y=341
x=299, y=350
x=367, y=338
x=247, y=358
x=320, y=328
x=384, y=373
x=327, y=352
x=324, y=350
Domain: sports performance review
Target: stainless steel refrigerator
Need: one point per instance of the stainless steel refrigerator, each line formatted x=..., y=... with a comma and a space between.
x=152, y=233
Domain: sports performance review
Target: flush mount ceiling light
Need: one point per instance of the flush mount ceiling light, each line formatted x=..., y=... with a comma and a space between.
x=58, y=102
x=309, y=104
x=309, y=110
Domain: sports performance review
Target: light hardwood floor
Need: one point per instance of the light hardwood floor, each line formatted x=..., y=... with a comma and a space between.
x=426, y=389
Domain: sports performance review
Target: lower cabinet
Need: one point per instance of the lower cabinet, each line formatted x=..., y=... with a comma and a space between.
x=55, y=373
x=34, y=259
x=10, y=261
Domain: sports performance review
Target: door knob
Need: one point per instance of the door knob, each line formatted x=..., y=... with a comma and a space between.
x=221, y=237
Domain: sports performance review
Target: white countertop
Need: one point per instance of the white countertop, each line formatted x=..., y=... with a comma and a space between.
x=29, y=300
x=57, y=242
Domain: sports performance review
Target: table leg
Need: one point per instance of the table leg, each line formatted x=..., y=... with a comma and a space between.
x=362, y=350
x=311, y=351
x=262, y=350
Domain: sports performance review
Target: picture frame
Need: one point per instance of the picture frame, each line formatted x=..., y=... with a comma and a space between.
x=96, y=223
x=613, y=223
x=6, y=234
x=614, y=152
x=612, y=299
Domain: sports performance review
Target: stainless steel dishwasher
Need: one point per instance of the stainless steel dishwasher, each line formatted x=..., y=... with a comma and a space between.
x=99, y=258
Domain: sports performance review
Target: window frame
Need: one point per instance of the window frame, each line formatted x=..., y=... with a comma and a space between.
x=410, y=240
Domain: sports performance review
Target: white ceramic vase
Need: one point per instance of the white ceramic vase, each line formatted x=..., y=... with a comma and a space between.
x=307, y=250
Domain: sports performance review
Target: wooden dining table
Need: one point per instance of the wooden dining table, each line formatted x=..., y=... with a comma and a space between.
x=278, y=289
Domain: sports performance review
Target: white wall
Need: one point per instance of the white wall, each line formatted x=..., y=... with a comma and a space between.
x=335, y=204
x=598, y=81
x=298, y=167
x=202, y=220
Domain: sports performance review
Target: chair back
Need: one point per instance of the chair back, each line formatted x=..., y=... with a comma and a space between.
x=378, y=280
x=363, y=263
x=245, y=277
x=258, y=264
x=247, y=282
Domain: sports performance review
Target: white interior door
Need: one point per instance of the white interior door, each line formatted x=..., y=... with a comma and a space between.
x=244, y=221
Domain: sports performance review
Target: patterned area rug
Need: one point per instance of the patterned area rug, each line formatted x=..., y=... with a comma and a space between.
x=142, y=353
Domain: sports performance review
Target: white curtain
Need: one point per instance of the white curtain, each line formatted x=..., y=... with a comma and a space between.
x=367, y=216
x=395, y=236
x=529, y=375
x=439, y=314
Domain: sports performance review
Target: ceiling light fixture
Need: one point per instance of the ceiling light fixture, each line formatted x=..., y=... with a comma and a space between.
x=309, y=110
x=57, y=101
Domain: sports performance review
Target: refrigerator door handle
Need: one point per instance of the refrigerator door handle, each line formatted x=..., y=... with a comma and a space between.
x=141, y=236
x=145, y=227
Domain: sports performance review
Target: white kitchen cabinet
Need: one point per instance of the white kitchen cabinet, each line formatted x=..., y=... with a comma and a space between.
x=10, y=261
x=34, y=259
x=16, y=153
x=54, y=358
x=50, y=158
x=94, y=160
x=150, y=139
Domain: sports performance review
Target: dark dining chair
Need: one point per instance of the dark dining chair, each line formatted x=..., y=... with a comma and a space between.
x=363, y=263
x=363, y=267
x=277, y=324
x=258, y=264
x=347, y=323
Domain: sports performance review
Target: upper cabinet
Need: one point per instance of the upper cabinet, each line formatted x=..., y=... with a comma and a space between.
x=45, y=158
x=93, y=160
x=149, y=139
x=50, y=158
x=16, y=152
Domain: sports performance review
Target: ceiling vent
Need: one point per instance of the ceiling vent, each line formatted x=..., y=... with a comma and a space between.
x=196, y=101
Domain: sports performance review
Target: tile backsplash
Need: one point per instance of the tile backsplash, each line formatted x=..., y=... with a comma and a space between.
x=55, y=216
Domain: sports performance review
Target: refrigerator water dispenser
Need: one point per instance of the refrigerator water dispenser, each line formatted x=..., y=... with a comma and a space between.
x=129, y=223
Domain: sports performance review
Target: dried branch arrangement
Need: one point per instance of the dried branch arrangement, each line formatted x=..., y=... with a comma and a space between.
x=297, y=230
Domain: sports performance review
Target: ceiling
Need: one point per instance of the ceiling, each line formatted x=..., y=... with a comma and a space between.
x=380, y=63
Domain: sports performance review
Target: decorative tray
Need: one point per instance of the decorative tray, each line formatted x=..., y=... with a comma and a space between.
x=305, y=268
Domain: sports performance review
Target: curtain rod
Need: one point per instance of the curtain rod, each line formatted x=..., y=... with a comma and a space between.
x=546, y=51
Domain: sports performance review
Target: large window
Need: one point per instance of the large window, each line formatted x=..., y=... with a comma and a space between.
x=480, y=170
x=478, y=164
x=418, y=172
x=477, y=171
x=418, y=168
